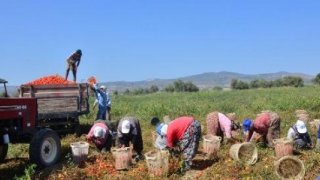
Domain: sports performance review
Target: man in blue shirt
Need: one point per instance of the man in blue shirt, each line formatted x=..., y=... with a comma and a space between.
x=104, y=102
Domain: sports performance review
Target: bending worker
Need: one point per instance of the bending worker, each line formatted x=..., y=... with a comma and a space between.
x=73, y=62
x=219, y=124
x=267, y=124
x=129, y=130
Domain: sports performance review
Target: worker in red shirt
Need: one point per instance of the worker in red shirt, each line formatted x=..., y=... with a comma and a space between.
x=184, y=134
x=267, y=124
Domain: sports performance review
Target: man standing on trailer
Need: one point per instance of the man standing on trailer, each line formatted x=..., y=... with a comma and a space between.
x=73, y=63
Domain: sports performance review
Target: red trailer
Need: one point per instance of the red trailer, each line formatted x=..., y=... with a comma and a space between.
x=39, y=116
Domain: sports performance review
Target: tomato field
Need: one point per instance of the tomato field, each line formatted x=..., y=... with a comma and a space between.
x=246, y=104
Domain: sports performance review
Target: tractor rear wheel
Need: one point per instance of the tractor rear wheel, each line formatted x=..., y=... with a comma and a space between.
x=45, y=148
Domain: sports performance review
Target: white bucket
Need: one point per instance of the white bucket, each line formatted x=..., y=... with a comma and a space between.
x=80, y=151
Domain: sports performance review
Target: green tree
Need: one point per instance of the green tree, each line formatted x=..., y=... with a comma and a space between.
x=169, y=88
x=276, y=83
x=190, y=87
x=179, y=86
x=234, y=83
x=293, y=81
x=127, y=92
x=138, y=91
x=254, y=84
x=217, y=88
x=154, y=89
x=237, y=84
x=316, y=80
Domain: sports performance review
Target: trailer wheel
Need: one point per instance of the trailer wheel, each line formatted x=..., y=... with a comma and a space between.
x=3, y=151
x=45, y=148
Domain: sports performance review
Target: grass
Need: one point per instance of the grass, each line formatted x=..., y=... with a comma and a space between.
x=246, y=104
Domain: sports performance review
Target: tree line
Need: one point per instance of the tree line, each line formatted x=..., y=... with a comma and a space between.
x=181, y=86
x=176, y=86
x=291, y=81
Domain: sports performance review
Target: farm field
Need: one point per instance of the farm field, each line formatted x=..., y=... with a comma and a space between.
x=246, y=104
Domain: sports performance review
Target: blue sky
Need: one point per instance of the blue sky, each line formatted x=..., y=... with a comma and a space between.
x=144, y=39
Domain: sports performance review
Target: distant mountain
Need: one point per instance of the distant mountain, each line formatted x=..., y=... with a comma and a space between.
x=205, y=80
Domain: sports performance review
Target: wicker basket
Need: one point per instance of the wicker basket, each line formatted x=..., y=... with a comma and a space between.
x=283, y=147
x=289, y=167
x=123, y=158
x=246, y=153
x=158, y=163
x=211, y=145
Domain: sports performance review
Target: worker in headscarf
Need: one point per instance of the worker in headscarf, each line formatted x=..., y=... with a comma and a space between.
x=219, y=124
x=100, y=135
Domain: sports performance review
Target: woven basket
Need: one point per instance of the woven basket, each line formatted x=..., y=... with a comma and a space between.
x=123, y=157
x=289, y=168
x=246, y=153
x=211, y=145
x=283, y=147
x=158, y=163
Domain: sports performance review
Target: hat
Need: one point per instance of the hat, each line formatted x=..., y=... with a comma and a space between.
x=78, y=51
x=301, y=127
x=102, y=87
x=125, y=128
x=99, y=132
x=154, y=121
x=246, y=124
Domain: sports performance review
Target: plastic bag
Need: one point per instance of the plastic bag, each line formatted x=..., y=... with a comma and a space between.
x=161, y=142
